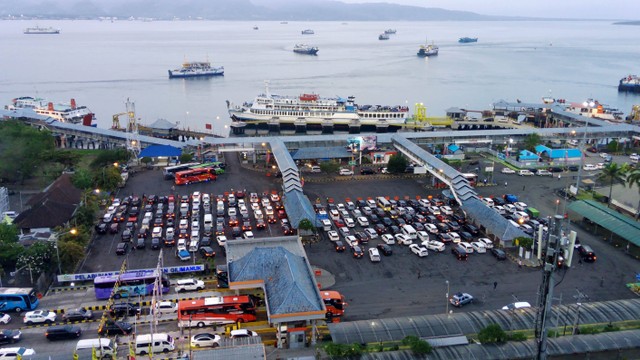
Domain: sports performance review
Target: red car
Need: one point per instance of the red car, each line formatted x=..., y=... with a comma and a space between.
x=272, y=219
x=287, y=230
x=260, y=224
x=339, y=223
x=282, y=214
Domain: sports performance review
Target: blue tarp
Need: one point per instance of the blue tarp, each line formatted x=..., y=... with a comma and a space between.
x=528, y=155
x=453, y=148
x=160, y=150
x=558, y=153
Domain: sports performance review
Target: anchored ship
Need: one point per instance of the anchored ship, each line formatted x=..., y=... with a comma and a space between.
x=63, y=112
x=308, y=32
x=311, y=109
x=305, y=49
x=196, y=69
x=630, y=83
x=465, y=40
x=428, y=50
x=38, y=30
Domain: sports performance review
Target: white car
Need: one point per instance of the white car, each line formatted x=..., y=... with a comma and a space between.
x=268, y=210
x=265, y=201
x=205, y=340
x=455, y=237
x=157, y=232
x=351, y=240
x=517, y=305
x=333, y=235
x=431, y=228
x=403, y=239
x=222, y=240
x=500, y=209
x=344, y=231
x=388, y=239
x=242, y=333
x=466, y=246
x=166, y=307
x=525, y=172
x=520, y=206
x=478, y=247
x=434, y=210
x=195, y=225
x=258, y=214
x=345, y=172
x=363, y=221
x=189, y=285
x=486, y=242
x=349, y=222
x=255, y=206
x=13, y=353
x=183, y=224
x=39, y=317
x=371, y=233
x=247, y=235
x=274, y=197
x=196, y=195
x=169, y=233
x=253, y=198
x=589, y=167
x=232, y=211
x=434, y=245
x=419, y=250
x=446, y=210
x=507, y=170
x=5, y=318
x=634, y=157
x=544, y=172
x=510, y=208
x=488, y=201
x=604, y=155
x=243, y=210
x=341, y=207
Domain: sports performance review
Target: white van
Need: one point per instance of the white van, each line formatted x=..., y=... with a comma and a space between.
x=161, y=342
x=193, y=245
x=423, y=236
x=374, y=255
x=105, y=348
x=208, y=222
x=409, y=232
x=326, y=224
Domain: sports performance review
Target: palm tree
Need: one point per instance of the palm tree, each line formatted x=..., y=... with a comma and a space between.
x=633, y=178
x=614, y=173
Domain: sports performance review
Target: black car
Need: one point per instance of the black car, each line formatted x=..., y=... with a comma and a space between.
x=499, y=254
x=471, y=229
x=63, y=332
x=394, y=230
x=126, y=235
x=114, y=228
x=465, y=236
x=140, y=244
x=339, y=246
x=374, y=219
x=444, y=238
x=385, y=249
x=367, y=171
x=122, y=248
x=573, y=168
x=442, y=227
x=101, y=228
x=380, y=229
x=10, y=336
x=460, y=255
x=115, y=328
x=155, y=243
x=207, y=252
x=460, y=219
x=124, y=309
x=387, y=221
x=453, y=226
x=205, y=241
x=78, y=314
x=362, y=237
x=357, y=252
x=497, y=201
x=587, y=253
x=418, y=226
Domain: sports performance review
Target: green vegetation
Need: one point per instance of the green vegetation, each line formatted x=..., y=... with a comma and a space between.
x=23, y=151
x=329, y=167
x=614, y=173
x=306, y=224
x=343, y=350
x=633, y=178
x=492, y=334
x=186, y=158
x=397, y=163
x=417, y=345
x=523, y=241
x=531, y=141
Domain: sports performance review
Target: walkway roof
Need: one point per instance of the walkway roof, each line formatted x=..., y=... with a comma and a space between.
x=330, y=152
x=299, y=207
x=611, y=220
x=493, y=222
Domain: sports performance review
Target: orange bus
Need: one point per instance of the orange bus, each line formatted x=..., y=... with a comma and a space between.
x=216, y=310
x=195, y=176
x=334, y=303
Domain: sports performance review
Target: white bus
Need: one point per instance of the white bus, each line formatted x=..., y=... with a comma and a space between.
x=170, y=171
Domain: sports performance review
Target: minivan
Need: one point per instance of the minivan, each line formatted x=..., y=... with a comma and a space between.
x=374, y=255
x=208, y=222
x=587, y=254
x=105, y=348
x=409, y=232
x=160, y=342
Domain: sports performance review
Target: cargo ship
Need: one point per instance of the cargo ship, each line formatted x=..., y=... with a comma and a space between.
x=630, y=83
x=314, y=111
x=63, y=112
x=196, y=69
x=39, y=31
x=465, y=40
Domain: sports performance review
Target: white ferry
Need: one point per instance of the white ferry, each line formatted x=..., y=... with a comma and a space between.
x=39, y=31
x=63, y=112
x=312, y=109
x=196, y=69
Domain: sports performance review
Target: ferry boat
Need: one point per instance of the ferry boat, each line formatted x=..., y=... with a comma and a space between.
x=465, y=40
x=383, y=37
x=390, y=31
x=255, y=28
x=308, y=32
x=428, y=50
x=63, y=112
x=196, y=69
x=305, y=49
x=595, y=109
x=630, y=83
x=313, y=110
x=38, y=30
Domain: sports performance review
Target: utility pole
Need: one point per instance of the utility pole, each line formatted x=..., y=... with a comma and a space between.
x=579, y=298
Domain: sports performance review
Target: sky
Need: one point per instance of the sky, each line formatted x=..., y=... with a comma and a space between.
x=578, y=9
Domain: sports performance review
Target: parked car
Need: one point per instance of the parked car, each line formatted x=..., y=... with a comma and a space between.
x=543, y=172
x=205, y=340
x=434, y=245
x=517, y=305
x=339, y=246
x=345, y=172
x=166, y=307
x=507, y=170
x=525, y=172
x=385, y=249
x=421, y=251
x=63, y=332
x=5, y=318
x=499, y=253
x=357, y=252
x=460, y=299
x=8, y=336
x=115, y=328
x=124, y=309
x=460, y=254
x=77, y=314
x=39, y=317
x=189, y=285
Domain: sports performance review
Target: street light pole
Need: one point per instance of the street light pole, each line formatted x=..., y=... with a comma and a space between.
x=446, y=296
x=589, y=105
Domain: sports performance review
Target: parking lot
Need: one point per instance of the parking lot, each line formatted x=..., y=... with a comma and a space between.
x=403, y=284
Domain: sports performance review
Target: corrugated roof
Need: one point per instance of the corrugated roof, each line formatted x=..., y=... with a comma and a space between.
x=299, y=207
x=330, y=152
x=281, y=154
x=493, y=222
x=160, y=150
x=558, y=153
x=619, y=224
x=162, y=124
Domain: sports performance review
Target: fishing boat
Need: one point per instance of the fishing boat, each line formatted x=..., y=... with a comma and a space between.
x=314, y=110
x=308, y=32
x=196, y=69
x=305, y=49
x=428, y=50
x=629, y=83
x=390, y=31
x=39, y=31
x=465, y=40
x=255, y=28
x=383, y=36
x=64, y=112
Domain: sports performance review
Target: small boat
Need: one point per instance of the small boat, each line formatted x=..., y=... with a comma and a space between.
x=307, y=32
x=630, y=83
x=305, y=49
x=39, y=30
x=465, y=40
x=284, y=22
x=196, y=69
x=390, y=31
x=383, y=37
x=255, y=28
x=428, y=50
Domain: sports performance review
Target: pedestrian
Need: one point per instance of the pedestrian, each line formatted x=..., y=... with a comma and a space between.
x=419, y=274
x=505, y=184
x=523, y=187
x=559, y=177
x=580, y=260
x=484, y=181
x=495, y=285
x=520, y=263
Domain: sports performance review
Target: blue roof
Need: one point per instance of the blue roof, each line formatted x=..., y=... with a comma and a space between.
x=528, y=155
x=558, y=153
x=286, y=279
x=160, y=150
x=329, y=152
x=299, y=207
x=453, y=147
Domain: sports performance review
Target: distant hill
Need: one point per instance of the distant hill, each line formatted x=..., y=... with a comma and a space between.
x=251, y=10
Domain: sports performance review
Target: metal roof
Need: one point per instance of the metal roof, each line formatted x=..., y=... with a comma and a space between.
x=619, y=224
x=298, y=207
x=281, y=154
x=427, y=326
x=331, y=152
x=493, y=222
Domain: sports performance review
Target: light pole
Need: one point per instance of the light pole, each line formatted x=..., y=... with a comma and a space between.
x=446, y=296
x=557, y=203
x=55, y=237
x=589, y=106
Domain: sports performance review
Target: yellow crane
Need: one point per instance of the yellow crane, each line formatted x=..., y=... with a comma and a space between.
x=115, y=125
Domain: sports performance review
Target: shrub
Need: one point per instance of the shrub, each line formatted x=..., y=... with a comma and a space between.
x=417, y=345
x=522, y=337
x=589, y=330
x=492, y=334
x=610, y=327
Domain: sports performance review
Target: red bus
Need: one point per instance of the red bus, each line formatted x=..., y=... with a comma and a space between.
x=334, y=303
x=216, y=310
x=195, y=176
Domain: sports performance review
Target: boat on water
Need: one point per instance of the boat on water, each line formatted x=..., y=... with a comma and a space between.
x=255, y=28
x=630, y=83
x=313, y=110
x=390, y=31
x=305, y=49
x=308, y=32
x=595, y=109
x=428, y=50
x=465, y=40
x=196, y=69
x=64, y=112
x=39, y=30
x=383, y=36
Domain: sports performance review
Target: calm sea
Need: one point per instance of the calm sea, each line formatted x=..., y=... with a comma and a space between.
x=101, y=64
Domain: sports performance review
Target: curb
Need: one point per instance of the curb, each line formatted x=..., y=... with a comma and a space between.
x=515, y=260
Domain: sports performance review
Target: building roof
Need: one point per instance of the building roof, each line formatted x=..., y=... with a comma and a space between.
x=281, y=266
x=453, y=148
x=528, y=155
x=330, y=152
x=558, y=153
x=160, y=150
x=162, y=124
x=253, y=350
x=299, y=207
x=52, y=207
x=611, y=220
x=493, y=222
x=61, y=190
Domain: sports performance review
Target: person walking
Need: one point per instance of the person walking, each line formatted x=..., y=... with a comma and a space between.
x=524, y=187
x=419, y=274
x=495, y=285
x=520, y=263
x=505, y=184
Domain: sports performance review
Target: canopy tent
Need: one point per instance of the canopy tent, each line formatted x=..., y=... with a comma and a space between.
x=160, y=150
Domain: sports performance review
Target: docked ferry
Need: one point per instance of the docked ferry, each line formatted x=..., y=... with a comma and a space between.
x=38, y=30
x=63, y=112
x=313, y=110
x=630, y=83
x=196, y=69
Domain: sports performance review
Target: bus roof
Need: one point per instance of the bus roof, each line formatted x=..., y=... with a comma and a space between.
x=216, y=300
x=180, y=166
x=15, y=290
x=331, y=294
x=127, y=275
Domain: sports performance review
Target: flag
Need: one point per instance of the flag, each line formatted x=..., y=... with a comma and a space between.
x=132, y=353
x=94, y=356
x=207, y=126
